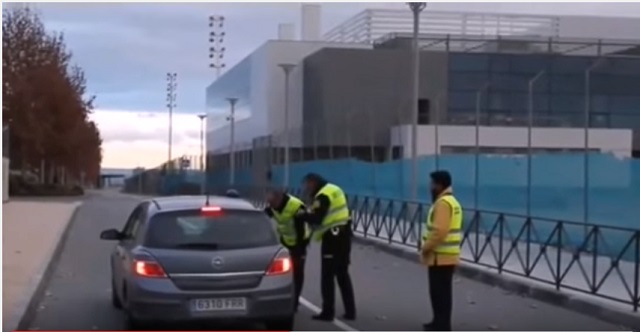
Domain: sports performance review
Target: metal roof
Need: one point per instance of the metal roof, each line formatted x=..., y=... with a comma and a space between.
x=517, y=44
x=372, y=24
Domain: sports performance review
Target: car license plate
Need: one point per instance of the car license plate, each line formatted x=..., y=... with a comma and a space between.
x=220, y=304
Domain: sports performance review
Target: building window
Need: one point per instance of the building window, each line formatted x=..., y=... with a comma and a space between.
x=567, y=84
x=467, y=81
x=510, y=82
x=500, y=63
x=624, y=104
x=424, y=111
x=529, y=64
x=469, y=62
x=567, y=103
x=570, y=64
x=463, y=100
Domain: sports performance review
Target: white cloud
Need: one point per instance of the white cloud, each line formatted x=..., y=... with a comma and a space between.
x=132, y=138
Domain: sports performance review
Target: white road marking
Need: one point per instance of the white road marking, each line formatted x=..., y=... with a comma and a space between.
x=340, y=324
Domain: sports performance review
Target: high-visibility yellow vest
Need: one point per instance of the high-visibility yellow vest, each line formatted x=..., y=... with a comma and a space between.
x=285, y=221
x=453, y=240
x=338, y=214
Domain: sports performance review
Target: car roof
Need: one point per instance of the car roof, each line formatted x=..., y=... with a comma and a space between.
x=174, y=203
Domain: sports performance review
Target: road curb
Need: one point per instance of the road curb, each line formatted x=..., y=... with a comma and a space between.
x=540, y=292
x=27, y=307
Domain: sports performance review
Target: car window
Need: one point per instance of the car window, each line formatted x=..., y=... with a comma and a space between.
x=131, y=227
x=232, y=229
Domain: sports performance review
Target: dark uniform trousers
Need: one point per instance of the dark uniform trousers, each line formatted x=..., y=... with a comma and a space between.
x=441, y=292
x=336, y=252
x=298, y=258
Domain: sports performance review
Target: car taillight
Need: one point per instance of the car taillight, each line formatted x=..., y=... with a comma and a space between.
x=148, y=269
x=280, y=265
x=211, y=211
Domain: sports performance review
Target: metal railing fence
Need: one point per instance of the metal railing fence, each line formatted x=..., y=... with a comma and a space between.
x=599, y=260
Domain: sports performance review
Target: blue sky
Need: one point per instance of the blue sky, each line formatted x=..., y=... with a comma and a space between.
x=126, y=49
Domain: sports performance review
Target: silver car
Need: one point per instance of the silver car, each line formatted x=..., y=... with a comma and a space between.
x=186, y=258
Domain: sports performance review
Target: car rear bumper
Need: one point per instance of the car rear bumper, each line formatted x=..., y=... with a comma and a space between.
x=160, y=300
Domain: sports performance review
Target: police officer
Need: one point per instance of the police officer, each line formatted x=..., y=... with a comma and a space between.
x=294, y=234
x=331, y=223
x=441, y=249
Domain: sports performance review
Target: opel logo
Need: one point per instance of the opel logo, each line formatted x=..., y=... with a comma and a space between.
x=217, y=262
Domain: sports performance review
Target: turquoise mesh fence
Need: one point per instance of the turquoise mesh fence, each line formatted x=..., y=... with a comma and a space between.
x=557, y=190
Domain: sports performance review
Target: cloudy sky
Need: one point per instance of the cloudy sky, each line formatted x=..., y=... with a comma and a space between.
x=127, y=49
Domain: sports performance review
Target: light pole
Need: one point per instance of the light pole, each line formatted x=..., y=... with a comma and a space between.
x=202, y=117
x=436, y=129
x=232, y=143
x=216, y=41
x=172, y=85
x=587, y=124
x=529, y=129
x=477, y=156
x=287, y=68
x=416, y=8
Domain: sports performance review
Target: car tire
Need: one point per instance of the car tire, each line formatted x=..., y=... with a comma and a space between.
x=115, y=300
x=282, y=324
x=134, y=324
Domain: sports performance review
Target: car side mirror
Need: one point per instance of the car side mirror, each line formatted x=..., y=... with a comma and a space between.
x=111, y=234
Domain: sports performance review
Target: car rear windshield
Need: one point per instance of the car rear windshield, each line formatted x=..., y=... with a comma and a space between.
x=231, y=229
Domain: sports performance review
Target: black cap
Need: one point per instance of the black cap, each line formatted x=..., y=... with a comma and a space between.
x=232, y=193
x=315, y=177
x=442, y=178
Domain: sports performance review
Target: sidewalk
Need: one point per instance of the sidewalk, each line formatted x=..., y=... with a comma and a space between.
x=31, y=232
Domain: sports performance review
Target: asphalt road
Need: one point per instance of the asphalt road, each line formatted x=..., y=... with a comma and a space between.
x=390, y=292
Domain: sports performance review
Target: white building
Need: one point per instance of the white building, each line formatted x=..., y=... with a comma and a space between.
x=259, y=84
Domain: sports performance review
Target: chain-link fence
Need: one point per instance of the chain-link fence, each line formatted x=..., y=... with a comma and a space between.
x=183, y=175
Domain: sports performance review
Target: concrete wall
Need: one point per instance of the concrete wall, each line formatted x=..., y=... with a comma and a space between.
x=353, y=96
x=614, y=141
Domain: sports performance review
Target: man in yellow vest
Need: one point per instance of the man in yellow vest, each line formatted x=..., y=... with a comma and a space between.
x=294, y=234
x=330, y=220
x=441, y=249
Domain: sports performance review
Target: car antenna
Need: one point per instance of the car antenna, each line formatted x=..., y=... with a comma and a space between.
x=206, y=184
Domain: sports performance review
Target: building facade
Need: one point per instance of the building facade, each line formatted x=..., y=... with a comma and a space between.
x=350, y=97
x=455, y=86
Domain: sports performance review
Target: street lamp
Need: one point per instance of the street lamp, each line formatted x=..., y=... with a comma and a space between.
x=202, y=117
x=587, y=124
x=532, y=81
x=172, y=85
x=416, y=8
x=232, y=143
x=216, y=40
x=479, y=93
x=287, y=68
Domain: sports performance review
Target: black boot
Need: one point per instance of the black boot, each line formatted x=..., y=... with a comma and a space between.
x=349, y=316
x=428, y=326
x=323, y=317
